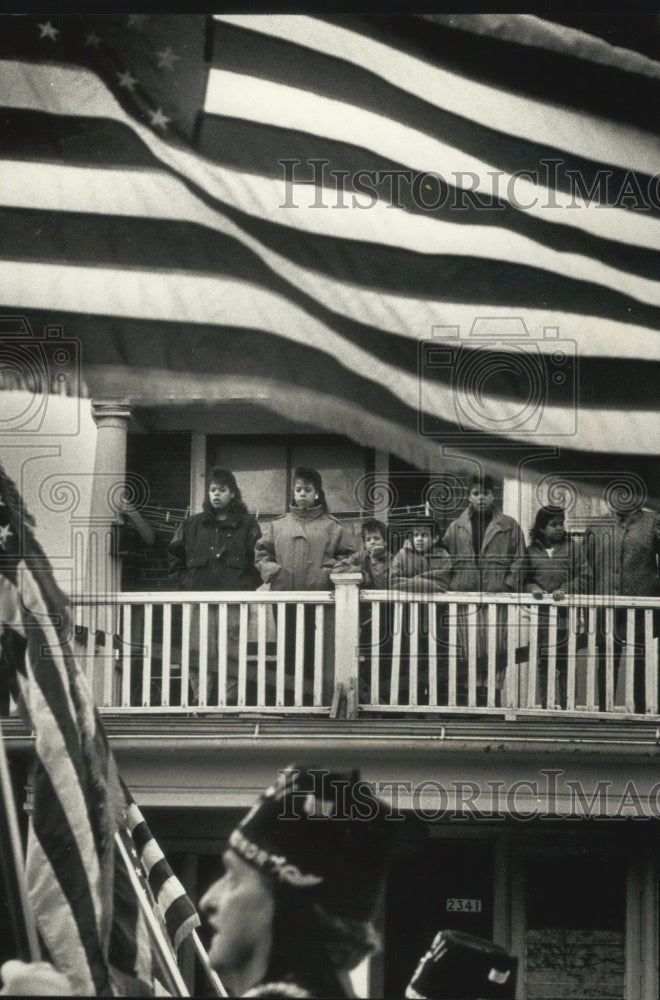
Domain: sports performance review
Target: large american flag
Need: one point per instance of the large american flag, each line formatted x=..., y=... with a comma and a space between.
x=84, y=905
x=435, y=234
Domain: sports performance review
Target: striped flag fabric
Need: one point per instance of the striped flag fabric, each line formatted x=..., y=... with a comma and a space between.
x=84, y=906
x=174, y=905
x=437, y=235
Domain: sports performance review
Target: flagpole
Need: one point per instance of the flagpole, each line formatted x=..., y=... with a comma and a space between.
x=175, y=982
x=211, y=974
x=22, y=919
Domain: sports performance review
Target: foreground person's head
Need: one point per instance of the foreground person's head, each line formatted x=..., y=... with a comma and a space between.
x=304, y=870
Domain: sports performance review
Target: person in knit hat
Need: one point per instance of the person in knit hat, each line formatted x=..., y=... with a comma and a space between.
x=303, y=873
x=461, y=966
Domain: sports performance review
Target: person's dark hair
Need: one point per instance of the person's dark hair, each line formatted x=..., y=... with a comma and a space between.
x=223, y=477
x=311, y=947
x=312, y=476
x=543, y=516
x=373, y=525
x=483, y=482
x=425, y=524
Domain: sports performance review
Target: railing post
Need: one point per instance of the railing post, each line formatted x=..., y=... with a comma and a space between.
x=347, y=636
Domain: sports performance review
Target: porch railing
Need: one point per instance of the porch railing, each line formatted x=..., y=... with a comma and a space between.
x=349, y=651
x=460, y=652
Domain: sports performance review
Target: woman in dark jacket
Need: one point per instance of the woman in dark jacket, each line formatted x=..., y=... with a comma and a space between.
x=214, y=550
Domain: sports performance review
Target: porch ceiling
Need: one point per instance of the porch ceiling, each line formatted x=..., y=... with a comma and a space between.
x=216, y=416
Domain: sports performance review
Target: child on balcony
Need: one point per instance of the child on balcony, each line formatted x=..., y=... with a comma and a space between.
x=372, y=559
x=298, y=551
x=555, y=566
x=623, y=550
x=373, y=562
x=422, y=566
x=214, y=550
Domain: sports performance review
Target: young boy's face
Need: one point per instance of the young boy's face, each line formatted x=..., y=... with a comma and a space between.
x=304, y=493
x=422, y=539
x=481, y=500
x=373, y=540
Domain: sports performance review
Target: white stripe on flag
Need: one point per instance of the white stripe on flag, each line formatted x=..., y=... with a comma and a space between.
x=52, y=910
x=57, y=89
x=538, y=121
x=197, y=299
x=51, y=748
x=170, y=891
x=156, y=195
x=252, y=99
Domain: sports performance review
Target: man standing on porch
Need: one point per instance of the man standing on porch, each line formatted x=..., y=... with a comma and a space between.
x=622, y=550
x=487, y=550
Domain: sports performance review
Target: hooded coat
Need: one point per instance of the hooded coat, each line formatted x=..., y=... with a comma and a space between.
x=298, y=550
x=422, y=572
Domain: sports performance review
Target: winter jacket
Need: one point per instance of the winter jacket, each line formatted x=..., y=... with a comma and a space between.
x=209, y=554
x=566, y=569
x=375, y=572
x=426, y=572
x=298, y=550
x=623, y=555
x=502, y=556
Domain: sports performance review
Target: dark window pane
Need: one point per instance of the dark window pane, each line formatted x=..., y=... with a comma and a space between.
x=575, y=928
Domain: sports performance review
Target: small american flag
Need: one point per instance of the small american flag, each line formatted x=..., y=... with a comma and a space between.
x=84, y=906
x=175, y=907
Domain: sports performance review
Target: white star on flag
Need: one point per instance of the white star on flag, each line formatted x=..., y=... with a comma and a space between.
x=126, y=80
x=158, y=119
x=167, y=58
x=48, y=31
x=5, y=532
x=93, y=39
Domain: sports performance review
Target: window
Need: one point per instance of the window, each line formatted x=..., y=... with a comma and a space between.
x=263, y=468
x=575, y=941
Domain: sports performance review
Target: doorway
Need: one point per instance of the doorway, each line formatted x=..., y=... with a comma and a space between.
x=432, y=886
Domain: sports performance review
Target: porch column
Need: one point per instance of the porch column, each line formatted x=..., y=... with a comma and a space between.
x=103, y=567
x=518, y=501
x=197, y=472
x=347, y=636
